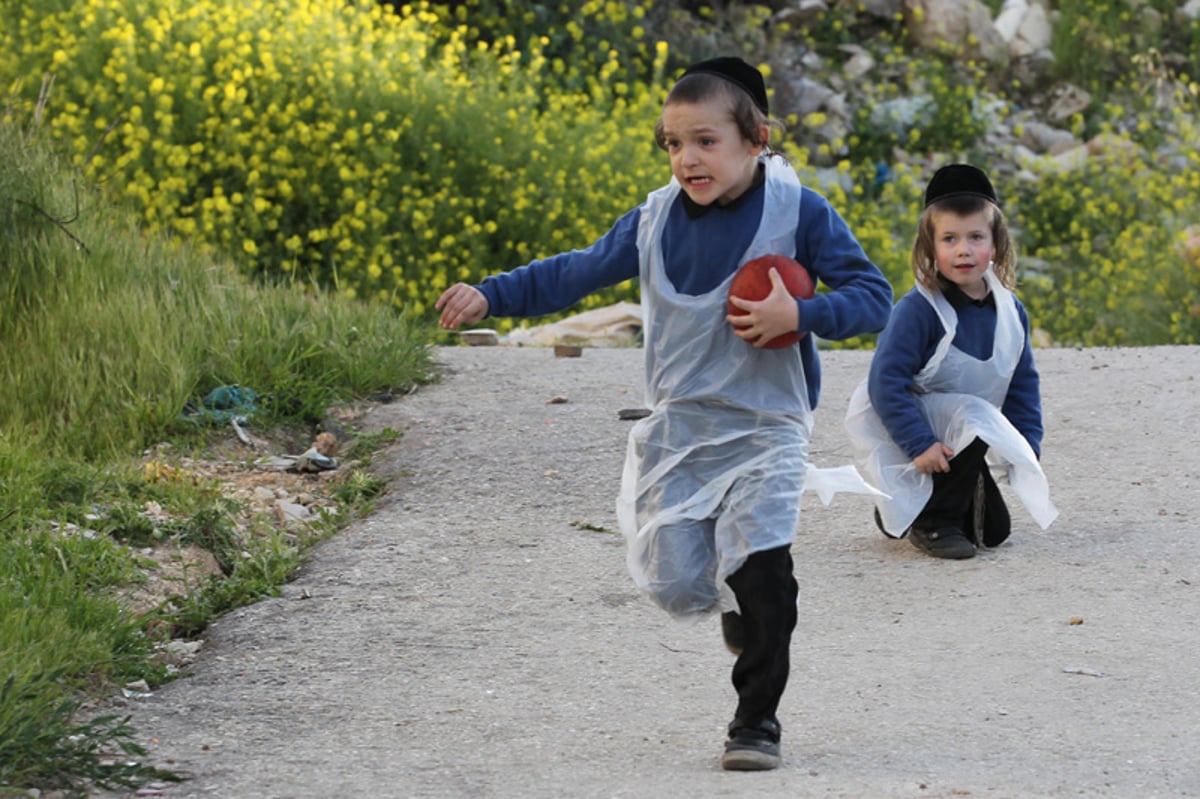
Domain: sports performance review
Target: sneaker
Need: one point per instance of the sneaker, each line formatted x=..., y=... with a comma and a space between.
x=753, y=748
x=733, y=631
x=945, y=542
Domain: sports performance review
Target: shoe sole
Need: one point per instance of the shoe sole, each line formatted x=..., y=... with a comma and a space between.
x=944, y=555
x=749, y=760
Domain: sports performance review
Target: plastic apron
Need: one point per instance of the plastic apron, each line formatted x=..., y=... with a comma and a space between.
x=960, y=398
x=715, y=472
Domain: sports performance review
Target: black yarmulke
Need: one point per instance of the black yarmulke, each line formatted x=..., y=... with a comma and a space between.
x=959, y=180
x=737, y=72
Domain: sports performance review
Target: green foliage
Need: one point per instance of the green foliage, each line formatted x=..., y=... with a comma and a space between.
x=834, y=27
x=212, y=529
x=66, y=482
x=87, y=377
x=936, y=106
x=42, y=743
x=107, y=333
x=55, y=602
x=578, y=40
x=126, y=523
x=62, y=630
x=389, y=169
x=1103, y=251
x=882, y=211
x=267, y=563
x=1095, y=43
x=359, y=488
x=448, y=142
x=367, y=443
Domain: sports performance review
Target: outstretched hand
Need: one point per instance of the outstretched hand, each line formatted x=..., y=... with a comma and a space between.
x=461, y=305
x=768, y=318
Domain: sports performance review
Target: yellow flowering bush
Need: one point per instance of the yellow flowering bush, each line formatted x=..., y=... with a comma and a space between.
x=1095, y=42
x=392, y=149
x=930, y=107
x=1103, y=248
x=374, y=150
x=1105, y=253
x=576, y=38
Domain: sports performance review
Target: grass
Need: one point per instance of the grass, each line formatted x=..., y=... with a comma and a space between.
x=41, y=728
x=107, y=334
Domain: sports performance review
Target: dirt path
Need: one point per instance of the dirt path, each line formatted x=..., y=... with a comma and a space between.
x=478, y=635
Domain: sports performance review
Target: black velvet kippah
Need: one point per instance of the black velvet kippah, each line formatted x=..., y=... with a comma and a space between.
x=959, y=180
x=737, y=72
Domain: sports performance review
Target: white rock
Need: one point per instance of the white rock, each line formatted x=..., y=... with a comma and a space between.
x=964, y=26
x=1068, y=100
x=1043, y=138
x=291, y=510
x=1009, y=19
x=1034, y=34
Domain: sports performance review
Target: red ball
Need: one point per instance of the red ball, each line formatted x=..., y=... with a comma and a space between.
x=751, y=282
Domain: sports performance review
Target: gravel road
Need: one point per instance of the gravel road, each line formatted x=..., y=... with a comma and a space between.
x=478, y=636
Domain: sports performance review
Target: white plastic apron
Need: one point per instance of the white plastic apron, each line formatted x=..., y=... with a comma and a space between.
x=960, y=398
x=716, y=471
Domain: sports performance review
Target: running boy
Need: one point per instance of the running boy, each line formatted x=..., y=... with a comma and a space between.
x=710, y=498
x=953, y=382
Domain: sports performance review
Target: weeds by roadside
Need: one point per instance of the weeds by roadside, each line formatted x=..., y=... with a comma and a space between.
x=106, y=334
x=46, y=742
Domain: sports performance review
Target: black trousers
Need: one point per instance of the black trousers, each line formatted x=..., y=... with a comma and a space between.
x=766, y=592
x=955, y=493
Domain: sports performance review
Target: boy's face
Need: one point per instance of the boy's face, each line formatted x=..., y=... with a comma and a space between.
x=964, y=249
x=709, y=157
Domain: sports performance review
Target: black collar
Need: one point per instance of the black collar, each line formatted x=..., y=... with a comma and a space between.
x=955, y=296
x=695, y=210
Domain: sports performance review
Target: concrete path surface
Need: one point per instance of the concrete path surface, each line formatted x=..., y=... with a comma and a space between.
x=478, y=636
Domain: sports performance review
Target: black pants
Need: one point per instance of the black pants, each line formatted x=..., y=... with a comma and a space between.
x=766, y=592
x=952, y=503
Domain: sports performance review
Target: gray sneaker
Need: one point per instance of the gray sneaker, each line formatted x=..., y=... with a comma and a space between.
x=752, y=748
x=945, y=542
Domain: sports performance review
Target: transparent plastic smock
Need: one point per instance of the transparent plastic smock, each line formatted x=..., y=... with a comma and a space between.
x=959, y=397
x=715, y=472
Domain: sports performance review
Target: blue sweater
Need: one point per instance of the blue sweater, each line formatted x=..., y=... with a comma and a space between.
x=907, y=344
x=702, y=246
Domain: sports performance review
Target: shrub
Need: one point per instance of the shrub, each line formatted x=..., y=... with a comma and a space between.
x=107, y=331
x=389, y=151
x=1095, y=43
x=350, y=146
x=86, y=376
x=43, y=743
x=1102, y=254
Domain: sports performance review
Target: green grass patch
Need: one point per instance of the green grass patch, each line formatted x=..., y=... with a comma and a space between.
x=110, y=333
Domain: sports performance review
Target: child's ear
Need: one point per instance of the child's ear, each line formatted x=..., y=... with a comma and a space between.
x=764, y=136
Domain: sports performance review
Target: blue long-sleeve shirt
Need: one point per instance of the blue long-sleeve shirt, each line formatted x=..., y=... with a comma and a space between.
x=908, y=342
x=702, y=246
